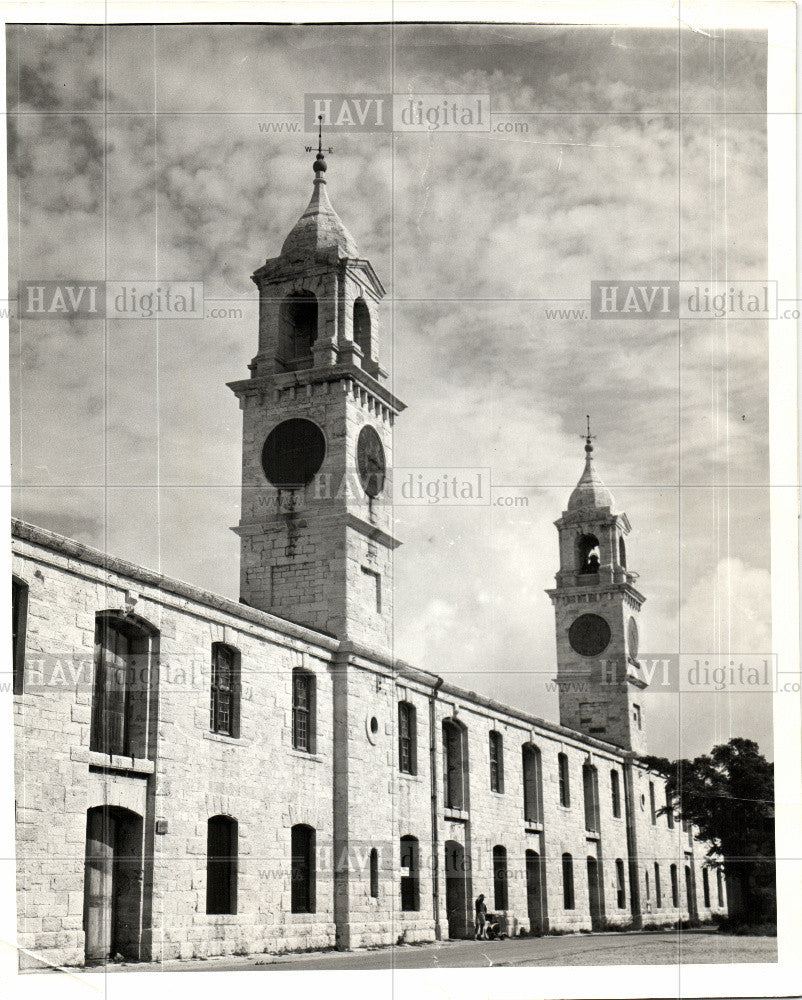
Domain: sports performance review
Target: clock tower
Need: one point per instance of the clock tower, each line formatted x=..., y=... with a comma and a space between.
x=597, y=608
x=316, y=526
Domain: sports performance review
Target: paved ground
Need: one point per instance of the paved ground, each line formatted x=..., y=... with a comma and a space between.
x=669, y=948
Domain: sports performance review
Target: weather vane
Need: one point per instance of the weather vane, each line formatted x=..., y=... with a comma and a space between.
x=320, y=149
x=588, y=437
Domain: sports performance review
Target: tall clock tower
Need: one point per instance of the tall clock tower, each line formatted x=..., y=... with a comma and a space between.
x=316, y=525
x=597, y=608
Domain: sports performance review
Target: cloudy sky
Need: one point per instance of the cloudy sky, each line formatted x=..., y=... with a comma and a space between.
x=644, y=157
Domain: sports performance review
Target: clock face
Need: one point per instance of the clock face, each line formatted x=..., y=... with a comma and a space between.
x=370, y=461
x=293, y=453
x=632, y=638
x=589, y=635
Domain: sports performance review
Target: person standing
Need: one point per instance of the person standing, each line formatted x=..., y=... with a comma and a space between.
x=481, y=914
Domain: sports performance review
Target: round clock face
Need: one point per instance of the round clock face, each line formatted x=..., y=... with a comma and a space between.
x=293, y=453
x=632, y=637
x=589, y=635
x=370, y=461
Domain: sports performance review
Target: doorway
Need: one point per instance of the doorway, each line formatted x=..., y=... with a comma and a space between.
x=534, y=893
x=456, y=895
x=595, y=897
x=113, y=884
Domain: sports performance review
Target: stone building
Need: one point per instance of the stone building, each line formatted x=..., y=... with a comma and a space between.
x=197, y=776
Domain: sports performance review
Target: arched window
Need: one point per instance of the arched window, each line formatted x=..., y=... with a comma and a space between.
x=658, y=889
x=622, y=553
x=19, y=619
x=615, y=789
x=568, y=882
x=620, y=884
x=719, y=887
x=590, y=786
x=674, y=886
x=303, y=710
x=374, y=873
x=297, y=331
x=302, y=852
x=407, y=738
x=500, y=895
x=362, y=329
x=565, y=783
x=225, y=690
x=587, y=554
x=121, y=718
x=410, y=874
x=533, y=783
x=652, y=804
x=496, y=762
x=221, y=865
x=454, y=765
x=706, y=886
x=647, y=880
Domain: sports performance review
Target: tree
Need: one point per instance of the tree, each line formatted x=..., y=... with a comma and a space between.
x=728, y=795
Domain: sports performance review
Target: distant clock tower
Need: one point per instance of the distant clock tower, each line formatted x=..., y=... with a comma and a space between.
x=316, y=526
x=597, y=608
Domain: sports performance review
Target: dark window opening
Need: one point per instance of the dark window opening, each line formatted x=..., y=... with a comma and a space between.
x=648, y=886
x=410, y=878
x=496, y=762
x=652, y=806
x=362, y=329
x=500, y=895
x=615, y=788
x=19, y=619
x=658, y=889
x=590, y=786
x=669, y=811
x=706, y=886
x=587, y=552
x=533, y=783
x=620, y=884
x=674, y=886
x=565, y=784
x=221, y=865
x=407, y=738
x=568, y=882
x=454, y=765
x=224, y=713
x=719, y=887
x=302, y=849
x=297, y=331
x=622, y=553
x=374, y=873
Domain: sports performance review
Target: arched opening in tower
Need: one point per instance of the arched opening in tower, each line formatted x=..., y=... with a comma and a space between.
x=622, y=553
x=297, y=331
x=362, y=329
x=587, y=553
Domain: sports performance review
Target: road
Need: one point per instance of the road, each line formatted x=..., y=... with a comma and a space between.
x=664, y=948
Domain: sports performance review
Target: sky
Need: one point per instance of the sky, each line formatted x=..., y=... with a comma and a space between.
x=644, y=158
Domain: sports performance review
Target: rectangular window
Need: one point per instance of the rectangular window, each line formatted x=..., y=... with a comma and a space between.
x=453, y=765
x=590, y=782
x=407, y=738
x=225, y=690
x=565, y=786
x=533, y=783
x=674, y=886
x=706, y=886
x=719, y=887
x=669, y=812
x=496, y=762
x=652, y=805
x=303, y=710
x=658, y=889
x=19, y=617
x=636, y=716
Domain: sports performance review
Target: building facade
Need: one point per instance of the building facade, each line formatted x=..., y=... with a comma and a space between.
x=197, y=776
